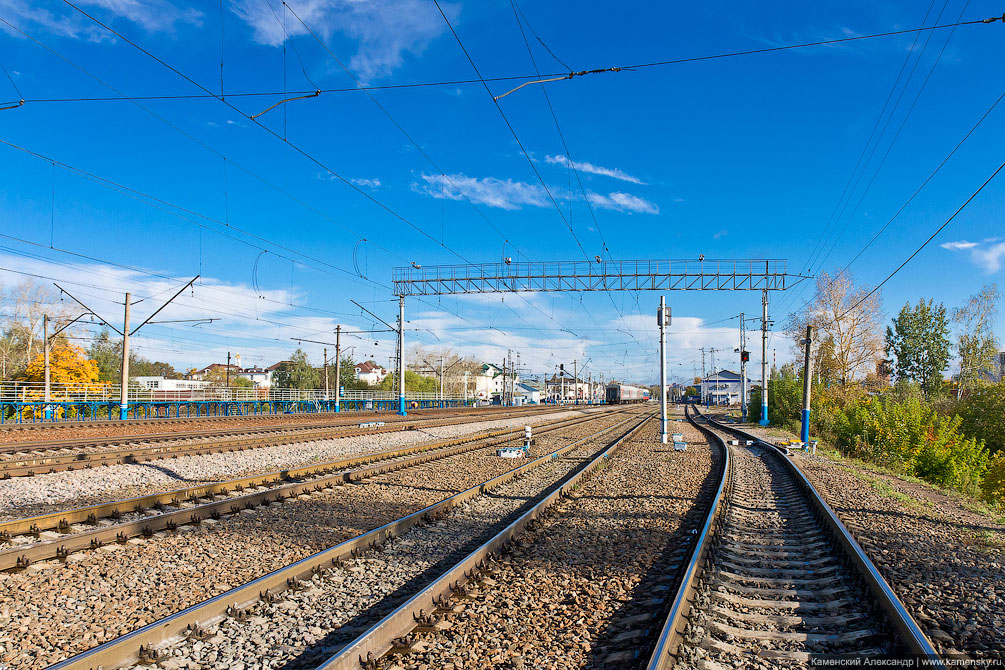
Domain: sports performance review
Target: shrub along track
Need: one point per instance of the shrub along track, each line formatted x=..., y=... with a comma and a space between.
x=51, y=611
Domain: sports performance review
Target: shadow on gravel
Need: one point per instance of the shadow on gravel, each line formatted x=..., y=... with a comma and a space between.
x=921, y=517
x=167, y=471
x=616, y=637
x=327, y=646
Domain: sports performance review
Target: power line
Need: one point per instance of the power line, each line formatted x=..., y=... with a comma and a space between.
x=563, y=75
x=925, y=243
x=298, y=149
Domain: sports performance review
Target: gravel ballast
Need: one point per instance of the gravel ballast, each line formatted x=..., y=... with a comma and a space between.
x=341, y=602
x=51, y=610
x=577, y=591
x=27, y=496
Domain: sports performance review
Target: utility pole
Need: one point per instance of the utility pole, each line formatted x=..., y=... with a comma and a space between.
x=561, y=371
x=502, y=387
x=47, y=414
x=228, y=370
x=325, y=355
x=663, y=320
x=338, y=367
x=764, y=358
x=703, y=389
x=575, y=379
x=401, y=355
x=744, y=356
x=441, y=381
x=807, y=371
x=124, y=390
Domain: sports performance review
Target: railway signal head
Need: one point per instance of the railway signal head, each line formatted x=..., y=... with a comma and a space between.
x=745, y=356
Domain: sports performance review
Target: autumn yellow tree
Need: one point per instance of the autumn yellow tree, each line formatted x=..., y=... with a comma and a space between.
x=67, y=365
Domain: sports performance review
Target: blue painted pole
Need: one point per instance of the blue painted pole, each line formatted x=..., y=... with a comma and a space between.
x=804, y=434
x=764, y=358
x=401, y=356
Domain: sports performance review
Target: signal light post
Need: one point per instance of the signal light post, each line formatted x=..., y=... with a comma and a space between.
x=663, y=320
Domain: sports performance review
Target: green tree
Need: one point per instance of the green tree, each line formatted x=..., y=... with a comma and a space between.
x=785, y=399
x=919, y=343
x=413, y=382
x=977, y=344
x=983, y=415
x=107, y=353
x=297, y=373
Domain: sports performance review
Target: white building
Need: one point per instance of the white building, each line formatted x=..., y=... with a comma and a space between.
x=489, y=381
x=370, y=372
x=260, y=377
x=532, y=391
x=160, y=383
x=575, y=390
x=723, y=388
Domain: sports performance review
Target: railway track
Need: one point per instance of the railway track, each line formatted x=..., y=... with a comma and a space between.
x=58, y=534
x=30, y=458
x=11, y=426
x=776, y=579
x=449, y=528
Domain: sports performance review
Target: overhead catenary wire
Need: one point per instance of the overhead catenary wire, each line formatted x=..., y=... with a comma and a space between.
x=925, y=243
x=303, y=152
x=202, y=144
x=561, y=75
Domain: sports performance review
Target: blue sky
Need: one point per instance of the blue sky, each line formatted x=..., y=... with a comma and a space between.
x=743, y=157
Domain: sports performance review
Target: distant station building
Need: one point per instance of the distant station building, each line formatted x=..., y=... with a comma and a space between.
x=370, y=372
x=723, y=387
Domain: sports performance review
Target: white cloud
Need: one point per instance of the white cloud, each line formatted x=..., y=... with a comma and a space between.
x=504, y=194
x=956, y=246
x=58, y=19
x=623, y=202
x=987, y=254
x=368, y=183
x=719, y=235
x=614, y=173
x=384, y=31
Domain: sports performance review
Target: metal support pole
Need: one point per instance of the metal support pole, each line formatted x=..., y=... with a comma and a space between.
x=807, y=372
x=124, y=390
x=228, y=369
x=764, y=358
x=575, y=380
x=441, y=381
x=45, y=348
x=338, y=368
x=743, y=370
x=401, y=356
x=663, y=319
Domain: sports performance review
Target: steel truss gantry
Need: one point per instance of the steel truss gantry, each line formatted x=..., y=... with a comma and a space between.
x=575, y=276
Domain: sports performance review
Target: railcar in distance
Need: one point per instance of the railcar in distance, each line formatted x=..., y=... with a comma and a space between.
x=622, y=394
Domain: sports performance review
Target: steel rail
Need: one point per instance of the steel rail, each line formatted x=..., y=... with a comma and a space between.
x=126, y=649
x=105, y=440
x=910, y=634
x=377, y=640
x=43, y=464
x=664, y=653
x=43, y=426
x=285, y=484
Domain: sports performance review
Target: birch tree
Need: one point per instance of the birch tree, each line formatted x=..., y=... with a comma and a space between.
x=976, y=342
x=847, y=320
